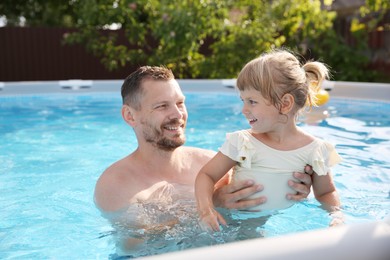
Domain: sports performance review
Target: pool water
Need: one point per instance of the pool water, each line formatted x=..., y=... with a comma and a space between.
x=54, y=147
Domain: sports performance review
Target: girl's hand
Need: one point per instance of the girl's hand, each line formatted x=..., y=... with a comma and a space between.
x=337, y=219
x=210, y=220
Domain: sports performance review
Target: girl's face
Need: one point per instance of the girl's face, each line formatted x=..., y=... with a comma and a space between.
x=261, y=114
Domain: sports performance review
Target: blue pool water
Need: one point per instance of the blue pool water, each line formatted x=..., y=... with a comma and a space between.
x=54, y=147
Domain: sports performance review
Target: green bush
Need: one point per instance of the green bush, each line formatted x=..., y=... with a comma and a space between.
x=208, y=38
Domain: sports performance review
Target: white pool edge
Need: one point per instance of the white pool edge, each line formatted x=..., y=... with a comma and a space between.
x=363, y=241
x=361, y=90
x=344, y=89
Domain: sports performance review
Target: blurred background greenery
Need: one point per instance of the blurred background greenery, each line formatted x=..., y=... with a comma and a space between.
x=215, y=38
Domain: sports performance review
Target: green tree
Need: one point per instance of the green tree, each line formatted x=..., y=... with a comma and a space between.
x=247, y=31
x=267, y=24
x=179, y=35
x=301, y=21
x=155, y=32
x=309, y=31
x=38, y=13
x=350, y=62
x=206, y=38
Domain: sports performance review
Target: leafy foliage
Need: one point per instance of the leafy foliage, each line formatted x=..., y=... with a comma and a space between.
x=155, y=32
x=206, y=38
x=209, y=39
x=37, y=13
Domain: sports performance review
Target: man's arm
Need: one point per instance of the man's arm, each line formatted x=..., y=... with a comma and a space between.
x=116, y=187
x=109, y=194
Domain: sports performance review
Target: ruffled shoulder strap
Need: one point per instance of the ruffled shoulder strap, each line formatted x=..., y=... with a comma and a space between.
x=324, y=157
x=238, y=147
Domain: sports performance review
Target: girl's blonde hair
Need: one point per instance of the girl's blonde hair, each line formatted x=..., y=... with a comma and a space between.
x=279, y=72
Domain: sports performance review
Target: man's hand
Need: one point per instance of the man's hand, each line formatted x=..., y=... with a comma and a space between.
x=235, y=195
x=303, y=184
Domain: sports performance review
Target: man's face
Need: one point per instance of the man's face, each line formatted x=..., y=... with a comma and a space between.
x=163, y=114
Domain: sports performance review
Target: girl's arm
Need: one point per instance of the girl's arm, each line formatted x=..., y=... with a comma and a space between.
x=207, y=177
x=325, y=192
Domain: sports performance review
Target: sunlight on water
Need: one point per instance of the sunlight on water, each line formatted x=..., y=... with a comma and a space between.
x=54, y=147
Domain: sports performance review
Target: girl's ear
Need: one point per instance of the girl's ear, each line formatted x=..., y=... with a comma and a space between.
x=128, y=115
x=287, y=103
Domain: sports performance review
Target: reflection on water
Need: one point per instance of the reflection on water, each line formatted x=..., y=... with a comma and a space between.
x=57, y=146
x=168, y=221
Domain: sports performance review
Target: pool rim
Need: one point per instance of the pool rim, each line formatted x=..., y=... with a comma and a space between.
x=342, y=89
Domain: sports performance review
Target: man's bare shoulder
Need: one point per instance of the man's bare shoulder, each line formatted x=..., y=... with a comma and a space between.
x=199, y=153
x=115, y=170
x=113, y=186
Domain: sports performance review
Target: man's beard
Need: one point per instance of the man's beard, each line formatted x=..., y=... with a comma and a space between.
x=155, y=136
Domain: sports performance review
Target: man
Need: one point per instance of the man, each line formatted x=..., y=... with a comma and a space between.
x=153, y=105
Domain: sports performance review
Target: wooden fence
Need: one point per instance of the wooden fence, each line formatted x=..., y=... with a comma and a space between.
x=29, y=54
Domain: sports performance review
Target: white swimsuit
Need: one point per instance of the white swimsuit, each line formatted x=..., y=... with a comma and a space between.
x=273, y=168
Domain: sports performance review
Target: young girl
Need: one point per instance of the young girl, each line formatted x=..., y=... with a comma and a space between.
x=273, y=88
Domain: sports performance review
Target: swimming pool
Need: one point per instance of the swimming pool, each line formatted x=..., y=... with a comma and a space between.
x=54, y=146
